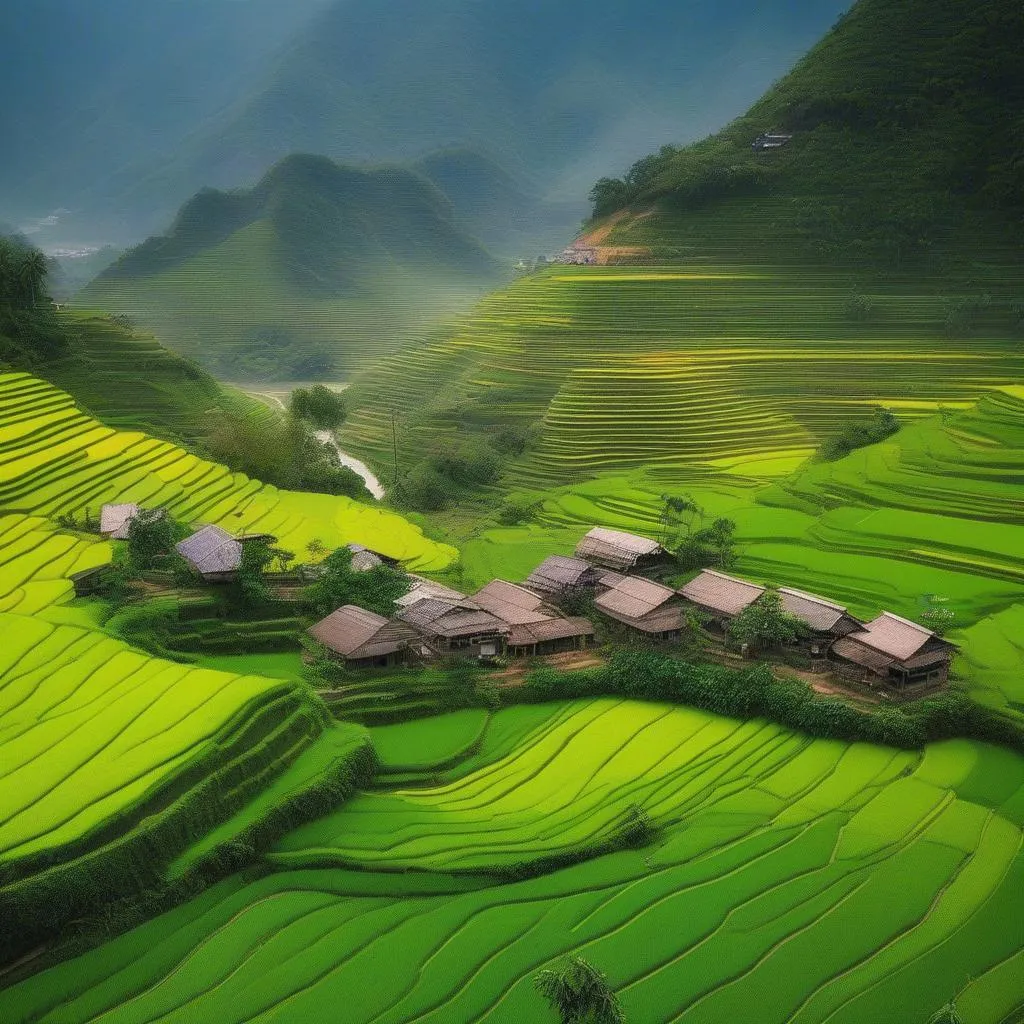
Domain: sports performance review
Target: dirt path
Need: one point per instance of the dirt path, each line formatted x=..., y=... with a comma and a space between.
x=568, y=661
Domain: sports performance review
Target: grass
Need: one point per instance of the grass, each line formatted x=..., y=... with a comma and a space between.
x=816, y=880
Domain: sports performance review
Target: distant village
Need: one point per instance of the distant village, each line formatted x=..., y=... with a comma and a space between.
x=503, y=619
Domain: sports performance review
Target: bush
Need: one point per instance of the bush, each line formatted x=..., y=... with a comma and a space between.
x=320, y=406
x=852, y=436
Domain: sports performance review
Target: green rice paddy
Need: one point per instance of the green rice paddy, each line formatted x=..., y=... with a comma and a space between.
x=814, y=880
x=55, y=460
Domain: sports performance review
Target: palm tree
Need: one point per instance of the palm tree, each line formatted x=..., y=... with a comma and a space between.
x=579, y=993
x=32, y=272
x=946, y=1015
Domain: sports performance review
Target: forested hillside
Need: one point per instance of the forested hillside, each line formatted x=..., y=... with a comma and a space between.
x=907, y=142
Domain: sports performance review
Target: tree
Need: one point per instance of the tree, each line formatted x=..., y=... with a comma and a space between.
x=249, y=586
x=766, y=624
x=319, y=405
x=152, y=534
x=679, y=512
x=946, y=1015
x=32, y=271
x=376, y=589
x=579, y=993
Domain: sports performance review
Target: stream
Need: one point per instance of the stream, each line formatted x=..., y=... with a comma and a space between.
x=373, y=485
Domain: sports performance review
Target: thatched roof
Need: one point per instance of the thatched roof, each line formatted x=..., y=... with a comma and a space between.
x=434, y=617
x=422, y=588
x=897, y=637
x=363, y=560
x=531, y=633
x=558, y=573
x=643, y=605
x=211, y=551
x=358, y=634
x=116, y=519
x=717, y=592
x=634, y=597
x=819, y=614
x=849, y=650
x=511, y=603
x=615, y=549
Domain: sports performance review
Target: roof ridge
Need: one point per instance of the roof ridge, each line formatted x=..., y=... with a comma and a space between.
x=733, y=579
x=906, y=622
x=812, y=597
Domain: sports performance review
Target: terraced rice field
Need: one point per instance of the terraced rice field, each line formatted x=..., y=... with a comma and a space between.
x=811, y=880
x=55, y=459
x=674, y=371
x=94, y=733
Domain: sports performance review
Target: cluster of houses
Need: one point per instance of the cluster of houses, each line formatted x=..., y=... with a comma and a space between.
x=524, y=619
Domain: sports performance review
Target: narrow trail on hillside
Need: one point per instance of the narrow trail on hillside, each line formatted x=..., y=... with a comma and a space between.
x=373, y=485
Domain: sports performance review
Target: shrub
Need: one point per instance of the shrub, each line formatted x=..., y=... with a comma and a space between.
x=320, y=406
x=852, y=436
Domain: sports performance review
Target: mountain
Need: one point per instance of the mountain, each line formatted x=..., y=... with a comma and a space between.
x=307, y=274
x=131, y=108
x=907, y=140
x=506, y=212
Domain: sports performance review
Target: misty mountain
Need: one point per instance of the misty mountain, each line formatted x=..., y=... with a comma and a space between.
x=557, y=94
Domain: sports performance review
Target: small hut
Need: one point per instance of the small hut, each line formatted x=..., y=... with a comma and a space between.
x=825, y=621
x=460, y=628
x=550, y=636
x=720, y=596
x=115, y=520
x=513, y=604
x=363, y=639
x=213, y=553
x=421, y=588
x=896, y=654
x=559, y=574
x=623, y=552
x=645, y=606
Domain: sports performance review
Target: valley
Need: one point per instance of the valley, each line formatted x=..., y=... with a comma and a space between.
x=400, y=623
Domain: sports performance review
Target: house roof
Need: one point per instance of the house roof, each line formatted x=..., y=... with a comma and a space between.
x=435, y=617
x=721, y=593
x=900, y=638
x=814, y=611
x=115, y=520
x=422, y=588
x=558, y=572
x=850, y=650
x=665, y=619
x=356, y=633
x=614, y=548
x=211, y=550
x=511, y=603
x=550, y=629
x=363, y=560
x=634, y=597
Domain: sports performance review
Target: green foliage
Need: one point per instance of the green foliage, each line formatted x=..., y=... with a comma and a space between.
x=249, y=587
x=23, y=273
x=946, y=1015
x=320, y=406
x=765, y=624
x=339, y=584
x=710, y=546
x=963, y=315
x=579, y=993
x=874, y=171
x=859, y=307
x=152, y=534
x=517, y=508
x=434, y=483
x=283, y=452
x=859, y=434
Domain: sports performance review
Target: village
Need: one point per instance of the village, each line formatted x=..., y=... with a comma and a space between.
x=611, y=572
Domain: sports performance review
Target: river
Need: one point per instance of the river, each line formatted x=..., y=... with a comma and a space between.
x=276, y=396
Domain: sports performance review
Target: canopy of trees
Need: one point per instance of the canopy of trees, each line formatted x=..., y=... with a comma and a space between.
x=765, y=624
x=579, y=993
x=320, y=406
x=376, y=589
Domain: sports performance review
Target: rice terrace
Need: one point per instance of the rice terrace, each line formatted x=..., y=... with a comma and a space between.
x=455, y=567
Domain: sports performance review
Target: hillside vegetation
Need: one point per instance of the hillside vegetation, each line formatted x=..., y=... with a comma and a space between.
x=907, y=143
x=308, y=274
